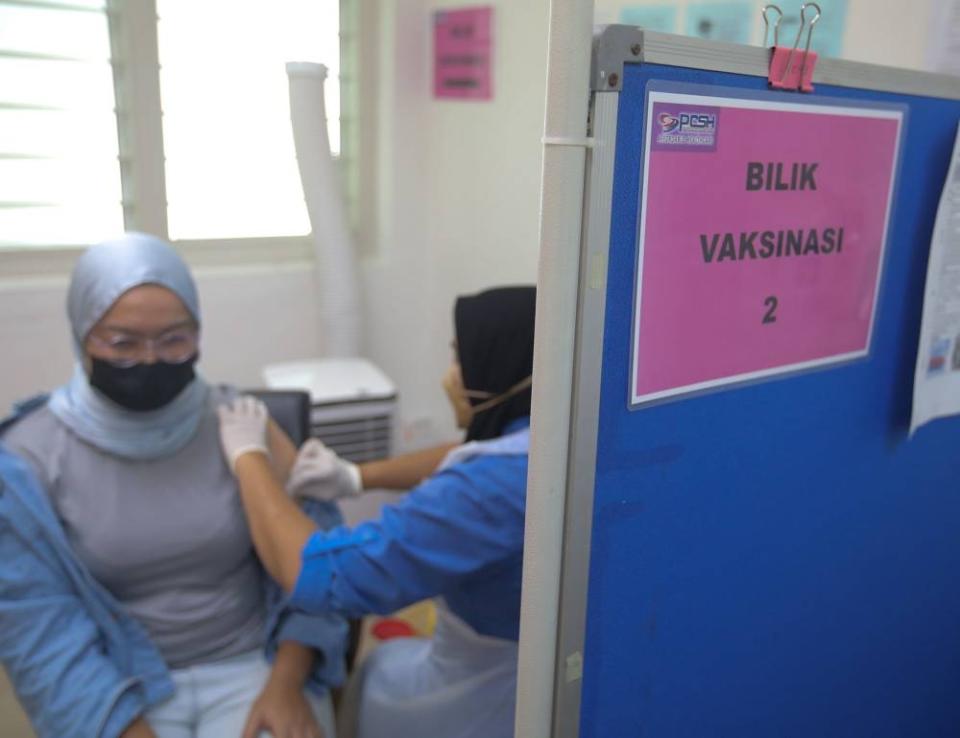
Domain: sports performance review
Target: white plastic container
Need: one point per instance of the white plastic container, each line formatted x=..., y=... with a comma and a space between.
x=353, y=403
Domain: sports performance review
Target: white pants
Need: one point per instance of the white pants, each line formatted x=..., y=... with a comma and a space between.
x=214, y=700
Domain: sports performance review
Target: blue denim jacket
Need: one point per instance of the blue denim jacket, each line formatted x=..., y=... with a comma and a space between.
x=81, y=666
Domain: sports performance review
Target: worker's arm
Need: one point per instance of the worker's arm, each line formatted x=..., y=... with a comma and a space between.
x=453, y=525
x=279, y=528
x=403, y=472
x=320, y=474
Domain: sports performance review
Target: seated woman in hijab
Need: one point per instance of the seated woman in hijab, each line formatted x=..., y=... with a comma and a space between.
x=457, y=536
x=132, y=602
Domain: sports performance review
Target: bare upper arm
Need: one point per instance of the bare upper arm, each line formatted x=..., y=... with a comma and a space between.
x=282, y=451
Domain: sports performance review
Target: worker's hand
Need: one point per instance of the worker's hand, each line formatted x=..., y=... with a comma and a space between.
x=243, y=428
x=319, y=474
x=283, y=711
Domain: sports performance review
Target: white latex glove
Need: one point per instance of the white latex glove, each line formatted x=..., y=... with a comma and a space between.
x=320, y=474
x=243, y=428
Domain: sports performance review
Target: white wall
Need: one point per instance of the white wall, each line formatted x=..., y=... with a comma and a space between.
x=250, y=315
x=459, y=191
x=34, y=336
x=889, y=32
x=459, y=181
x=456, y=211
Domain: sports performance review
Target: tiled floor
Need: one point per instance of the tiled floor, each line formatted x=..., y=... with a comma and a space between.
x=13, y=723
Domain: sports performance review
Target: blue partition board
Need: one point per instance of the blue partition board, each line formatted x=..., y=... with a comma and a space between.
x=778, y=559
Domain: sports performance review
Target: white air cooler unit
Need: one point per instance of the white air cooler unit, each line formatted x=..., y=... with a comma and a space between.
x=353, y=404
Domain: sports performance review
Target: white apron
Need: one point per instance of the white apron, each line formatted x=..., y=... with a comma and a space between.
x=458, y=684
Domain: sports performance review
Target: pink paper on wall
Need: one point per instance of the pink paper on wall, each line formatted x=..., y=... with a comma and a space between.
x=761, y=238
x=463, y=53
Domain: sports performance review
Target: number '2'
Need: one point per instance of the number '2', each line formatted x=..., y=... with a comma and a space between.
x=771, y=315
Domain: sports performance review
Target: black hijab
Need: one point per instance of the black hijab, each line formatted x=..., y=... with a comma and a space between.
x=495, y=348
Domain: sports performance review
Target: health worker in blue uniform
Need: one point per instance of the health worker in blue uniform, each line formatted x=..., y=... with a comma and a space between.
x=457, y=536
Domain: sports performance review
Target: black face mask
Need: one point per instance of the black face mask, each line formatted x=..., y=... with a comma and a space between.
x=142, y=387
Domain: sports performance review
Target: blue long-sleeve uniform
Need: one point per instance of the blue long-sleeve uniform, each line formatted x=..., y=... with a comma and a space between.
x=459, y=535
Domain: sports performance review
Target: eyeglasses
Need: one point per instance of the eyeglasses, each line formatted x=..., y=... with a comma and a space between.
x=173, y=347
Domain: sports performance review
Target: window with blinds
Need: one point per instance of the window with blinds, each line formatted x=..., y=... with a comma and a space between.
x=218, y=164
x=231, y=169
x=59, y=168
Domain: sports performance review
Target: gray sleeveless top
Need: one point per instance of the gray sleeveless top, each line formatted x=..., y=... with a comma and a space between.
x=166, y=537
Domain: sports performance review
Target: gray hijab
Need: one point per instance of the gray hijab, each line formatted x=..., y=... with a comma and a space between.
x=102, y=274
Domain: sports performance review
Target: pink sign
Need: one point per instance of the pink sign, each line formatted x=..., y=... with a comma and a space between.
x=761, y=238
x=463, y=53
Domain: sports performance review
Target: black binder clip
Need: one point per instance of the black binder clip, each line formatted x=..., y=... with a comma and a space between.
x=790, y=68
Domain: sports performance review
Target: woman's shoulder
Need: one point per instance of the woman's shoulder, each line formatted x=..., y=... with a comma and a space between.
x=22, y=409
x=12, y=465
x=18, y=475
x=35, y=435
x=30, y=426
x=220, y=394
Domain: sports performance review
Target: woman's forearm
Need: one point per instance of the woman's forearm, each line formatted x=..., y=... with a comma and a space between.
x=279, y=528
x=292, y=664
x=403, y=472
x=139, y=728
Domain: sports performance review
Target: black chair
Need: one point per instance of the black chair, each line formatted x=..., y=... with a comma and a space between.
x=290, y=409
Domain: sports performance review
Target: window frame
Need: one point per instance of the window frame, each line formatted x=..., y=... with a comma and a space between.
x=134, y=59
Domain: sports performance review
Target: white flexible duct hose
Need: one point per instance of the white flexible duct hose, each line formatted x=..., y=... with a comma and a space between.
x=561, y=207
x=339, y=299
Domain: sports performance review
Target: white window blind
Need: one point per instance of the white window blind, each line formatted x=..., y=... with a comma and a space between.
x=59, y=168
x=231, y=169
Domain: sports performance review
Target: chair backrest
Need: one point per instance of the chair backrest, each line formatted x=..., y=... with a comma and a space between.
x=290, y=409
